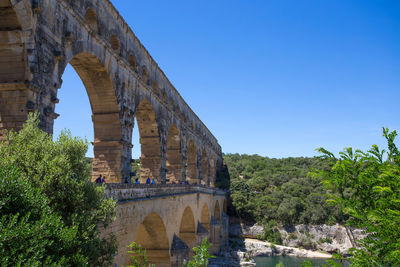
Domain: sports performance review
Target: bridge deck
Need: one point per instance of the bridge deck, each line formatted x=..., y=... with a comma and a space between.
x=137, y=192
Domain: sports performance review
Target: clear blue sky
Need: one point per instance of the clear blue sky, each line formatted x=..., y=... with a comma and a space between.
x=275, y=78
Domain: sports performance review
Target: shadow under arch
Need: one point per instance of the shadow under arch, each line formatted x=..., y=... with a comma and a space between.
x=174, y=156
x=152, y=236
x=187, y=229
x=105, y=116
x=205, y=217
x=191, y=170
x=150, y=159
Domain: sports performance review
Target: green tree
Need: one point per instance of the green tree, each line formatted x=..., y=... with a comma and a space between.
x=136, y=168
x=60, y=171
x=31, y=234
x=368, y=191
x=264, y=189
x=201, y=255
x=139, y=256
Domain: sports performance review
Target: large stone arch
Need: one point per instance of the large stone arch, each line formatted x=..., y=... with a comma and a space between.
x=152, y=236
x=205, y=217
x=191, y=170
x=105, y=115
x=187, y=228
x=174, y=156
x=149, y=141
x=204, y=167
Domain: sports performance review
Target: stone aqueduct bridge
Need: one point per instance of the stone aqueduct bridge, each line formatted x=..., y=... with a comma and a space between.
x=38, y=39
x=167, y=220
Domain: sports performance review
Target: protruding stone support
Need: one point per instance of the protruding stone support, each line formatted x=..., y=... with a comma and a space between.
x=215, y=235
x=224, y=231
x=179, y=252
x=16, y=101
x=201, y=233
x=109, y=159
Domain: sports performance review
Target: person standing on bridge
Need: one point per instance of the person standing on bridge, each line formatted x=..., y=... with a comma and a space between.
x=153, y=181
x=98, y=179
x=137, y=181
x=148, y=180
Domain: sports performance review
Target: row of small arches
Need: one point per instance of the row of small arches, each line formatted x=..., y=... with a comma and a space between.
x=152, y=232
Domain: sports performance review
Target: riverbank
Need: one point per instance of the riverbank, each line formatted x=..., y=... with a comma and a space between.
x=329, y=238
x=303, y=241
x=241, y=252
x=254, y=248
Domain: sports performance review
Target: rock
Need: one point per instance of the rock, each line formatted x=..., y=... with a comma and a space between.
x=328, y=238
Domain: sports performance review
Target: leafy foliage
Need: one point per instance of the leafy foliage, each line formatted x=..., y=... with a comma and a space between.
x=136, y=168
x=264, y=189
x=139, y=256
x=201, y=255
x=374, y=201
x=223, y=179
x=271, y=233
x=30, y=233
x=54, y=180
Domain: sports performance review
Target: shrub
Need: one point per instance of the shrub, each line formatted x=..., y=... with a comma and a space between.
x=59, y=174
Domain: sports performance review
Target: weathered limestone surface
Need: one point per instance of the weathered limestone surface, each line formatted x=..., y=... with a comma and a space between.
x=167, y=220
x=39, y=38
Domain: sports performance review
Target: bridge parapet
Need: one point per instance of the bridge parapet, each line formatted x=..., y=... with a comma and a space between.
x=136, y=192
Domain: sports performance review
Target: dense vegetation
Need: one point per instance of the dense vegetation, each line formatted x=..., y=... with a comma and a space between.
x=362, y=189
x=49, y=209
x=280, y=190
x=374, y=201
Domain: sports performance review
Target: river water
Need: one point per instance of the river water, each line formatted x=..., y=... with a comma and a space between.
x=288, y=261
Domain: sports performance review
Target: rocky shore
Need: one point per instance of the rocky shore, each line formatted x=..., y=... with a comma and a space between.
x=316, y=241
x=328, y=238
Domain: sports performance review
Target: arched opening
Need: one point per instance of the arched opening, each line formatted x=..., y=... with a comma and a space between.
x=174, y=156
x=204, y=167
x=132, y=61
x=136, y=154
x=91, y=19
x=191, y=170
x=217, y=211
x=152, y=236
x=212, y=171
x=205, y=217
x=150, y=158
x=225, y=207
x=114, y=42
x=108, y=149
x=187, y=229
